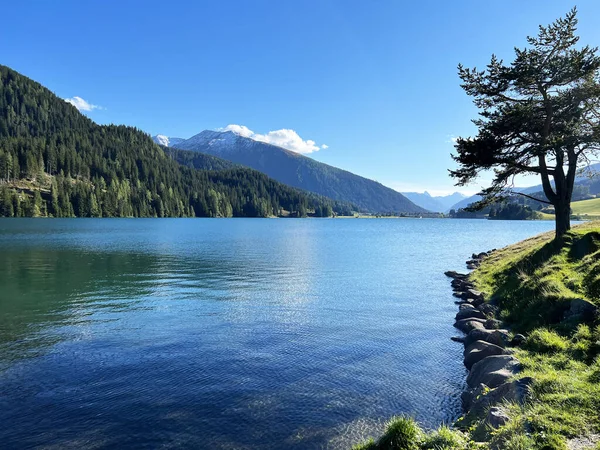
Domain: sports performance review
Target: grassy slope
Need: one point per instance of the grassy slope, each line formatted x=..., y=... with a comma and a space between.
x=533, y=282
x=587, y=207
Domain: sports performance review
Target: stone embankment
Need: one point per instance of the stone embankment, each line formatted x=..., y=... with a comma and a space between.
x=487, y=355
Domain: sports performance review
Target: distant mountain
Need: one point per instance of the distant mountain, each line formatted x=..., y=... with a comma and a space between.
x=166, y=141
x=440, y=203
x=300, y=171
x=465, y=202
x=587, y=184
x=425, y=200
x=449, y=200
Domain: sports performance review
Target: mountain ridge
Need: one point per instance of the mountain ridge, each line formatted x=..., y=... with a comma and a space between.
x=301, y=171
x=57, y=162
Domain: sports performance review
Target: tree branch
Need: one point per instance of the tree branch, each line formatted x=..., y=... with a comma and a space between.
x=532, y=198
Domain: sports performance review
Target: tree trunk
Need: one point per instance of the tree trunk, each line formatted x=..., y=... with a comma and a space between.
x=562, y=214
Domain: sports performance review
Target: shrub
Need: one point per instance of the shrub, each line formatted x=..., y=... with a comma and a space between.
x=402, y=433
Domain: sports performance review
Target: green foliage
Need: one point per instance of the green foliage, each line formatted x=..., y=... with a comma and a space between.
x=55, y=161
x=537, y=116
x=402, y=433
x=296, y=170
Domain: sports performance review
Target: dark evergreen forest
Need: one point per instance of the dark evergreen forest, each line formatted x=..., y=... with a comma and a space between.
x=56, y=162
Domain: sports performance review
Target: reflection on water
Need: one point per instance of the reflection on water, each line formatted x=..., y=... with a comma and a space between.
x=229, y=333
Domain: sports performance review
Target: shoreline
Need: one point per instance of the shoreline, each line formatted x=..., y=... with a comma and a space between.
x=529, y=317
x=488, y=352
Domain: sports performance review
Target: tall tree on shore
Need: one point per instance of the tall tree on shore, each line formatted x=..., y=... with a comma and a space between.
x=539, y=114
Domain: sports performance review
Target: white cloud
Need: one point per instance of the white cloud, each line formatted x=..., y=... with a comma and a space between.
x=81, y=104
x=451, y=139
x=285, y=138
x=239, y=129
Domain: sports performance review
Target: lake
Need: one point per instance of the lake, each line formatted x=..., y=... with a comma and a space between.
x=230, y=333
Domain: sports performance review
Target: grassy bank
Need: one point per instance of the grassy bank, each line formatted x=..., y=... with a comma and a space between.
x=587, y=209
x=533, y=284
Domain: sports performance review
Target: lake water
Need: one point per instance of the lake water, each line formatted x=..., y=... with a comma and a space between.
x=229, y=333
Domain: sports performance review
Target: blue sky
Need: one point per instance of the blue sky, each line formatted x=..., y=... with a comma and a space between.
x=373, y=81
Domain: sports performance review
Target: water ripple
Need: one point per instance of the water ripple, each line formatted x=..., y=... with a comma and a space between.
x=229, y=333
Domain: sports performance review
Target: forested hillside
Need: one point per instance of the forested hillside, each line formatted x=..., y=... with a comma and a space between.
x=56, y=162
x=301, y=172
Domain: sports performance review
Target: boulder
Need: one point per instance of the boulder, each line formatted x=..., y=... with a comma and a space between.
x=466, y=325
x=500, y=338
x=494, y=324
x=456, y=275
x=493, y=370
x=517, y=391
x=474, y=294
x=497, y=417
x=488, y=310
x=518, y=340
x=460, y=339
x=581, y=310
x=469, y=313
x=479, y=350
x=466, y=305
x=469, y=396
x=462, y=285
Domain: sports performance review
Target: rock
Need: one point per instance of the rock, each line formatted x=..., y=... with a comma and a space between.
x=462, y=285
x=466, y=325
x=514, y=391
x=469, y=313
x=479, y=350
x=581, y=310
x=469, y=396
x=501, y=338
x=458, y=339
x=466, y=305
x=518, y=340
x=472, y=296
x=488, y=310
x=475, y=295
x=585, y=442
x=497, y=417
x=456, y=275
x=493, y=370
x=493, y=324
x=458, y=294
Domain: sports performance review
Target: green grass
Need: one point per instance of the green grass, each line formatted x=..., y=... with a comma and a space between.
x=533, y=283
x=589, y=207
x=403, y=433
